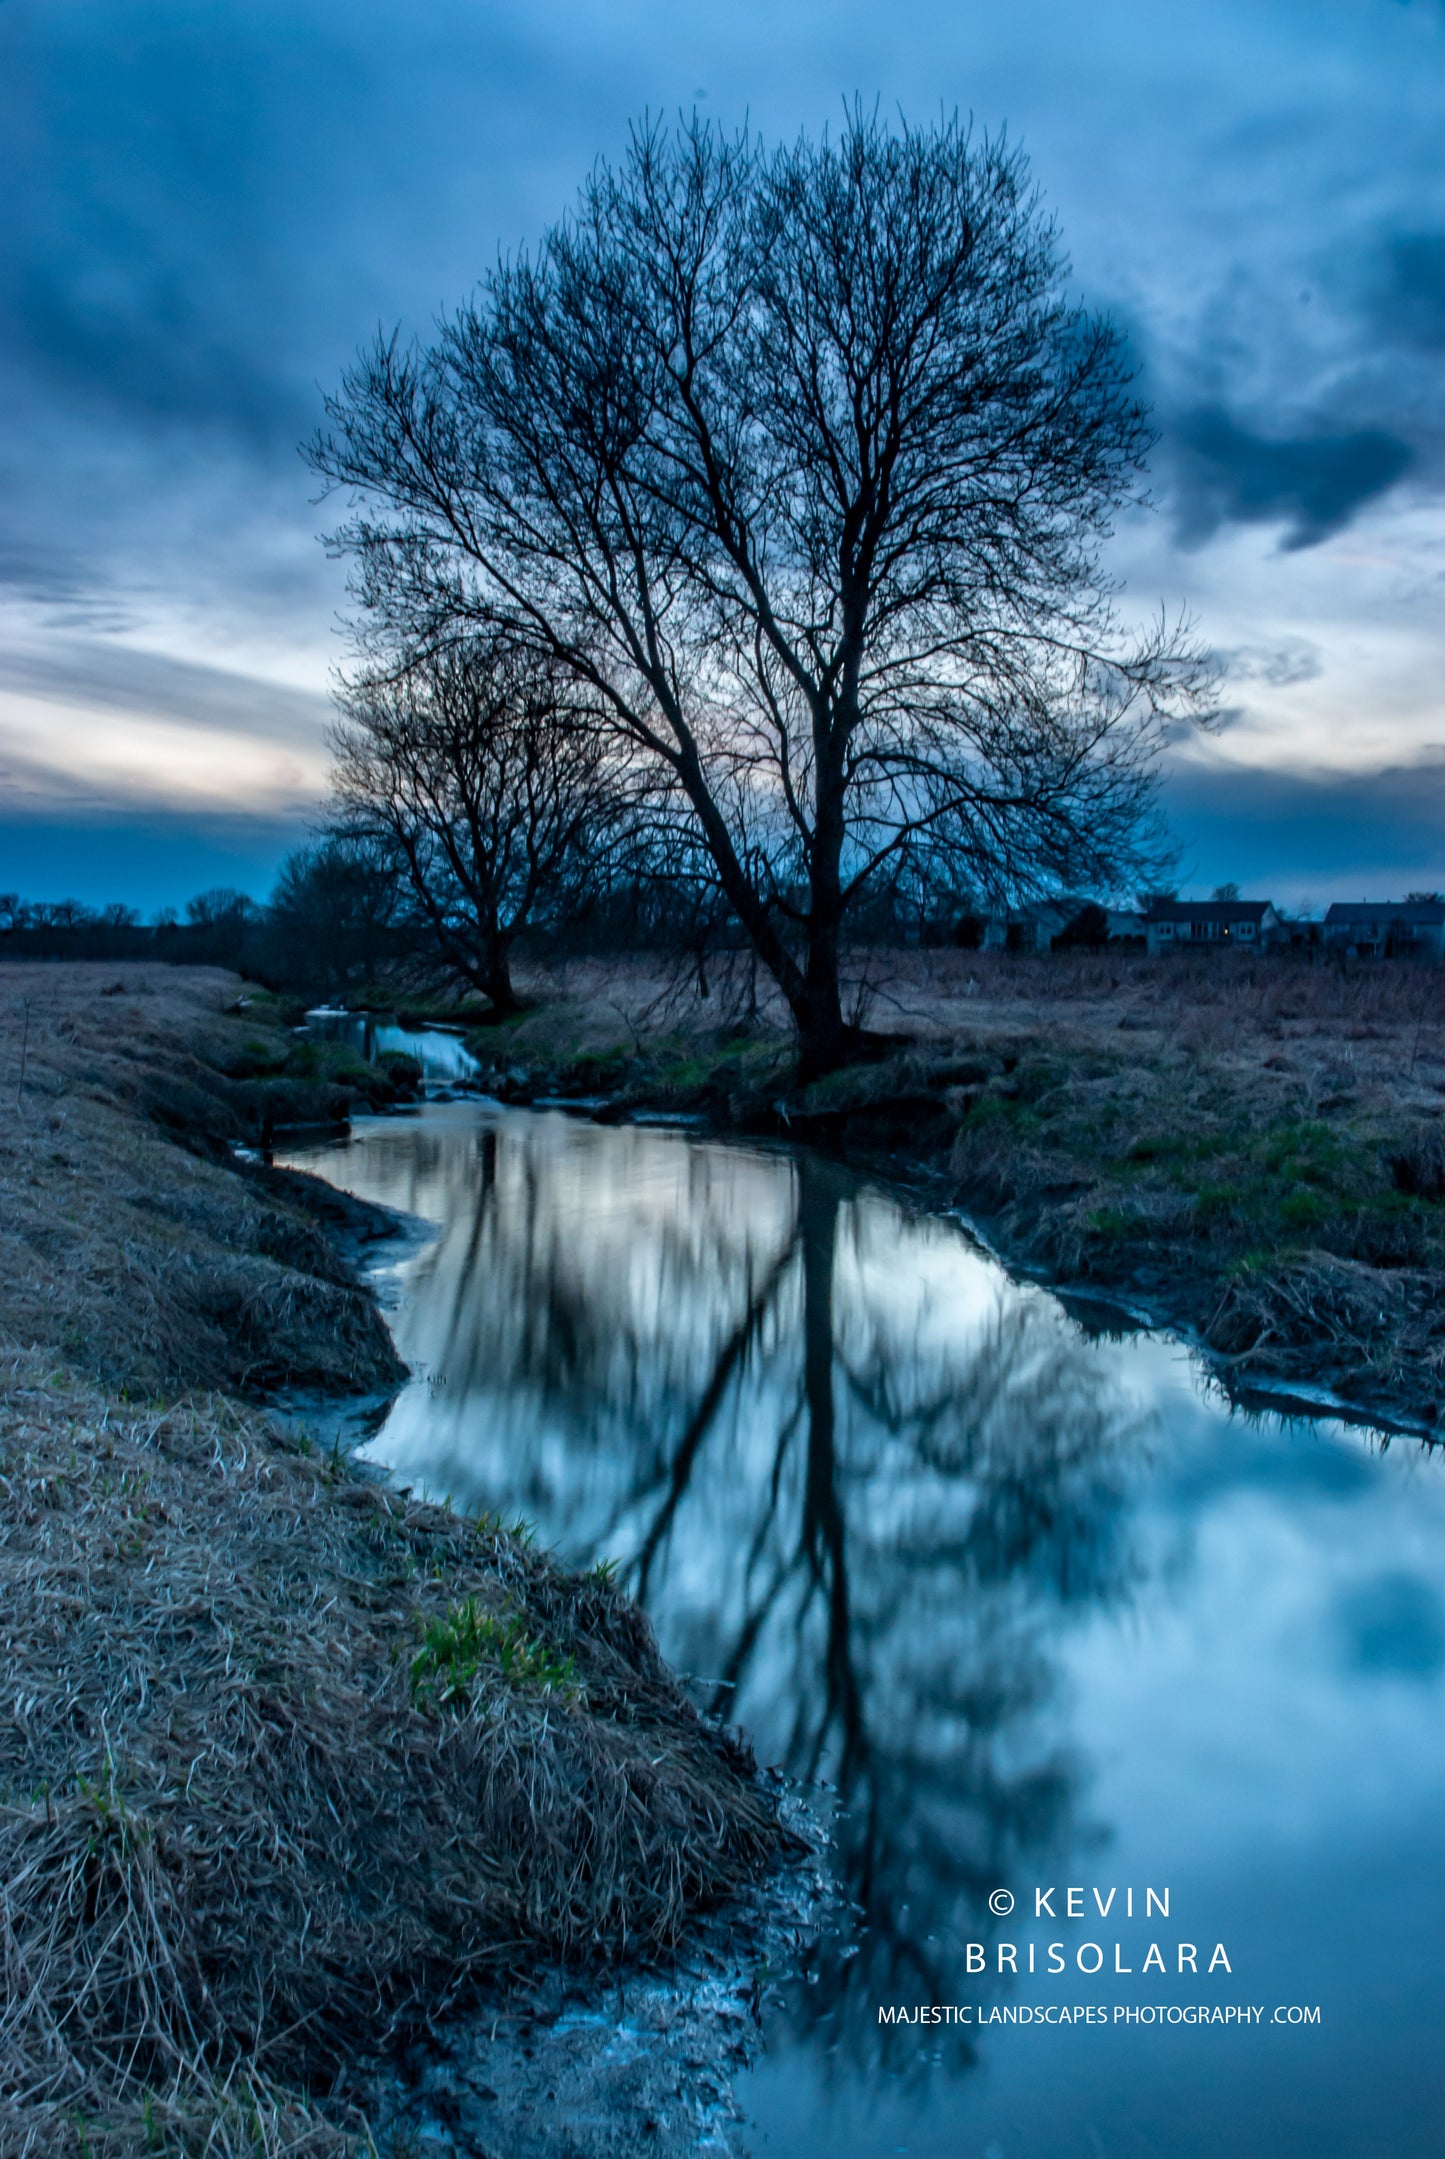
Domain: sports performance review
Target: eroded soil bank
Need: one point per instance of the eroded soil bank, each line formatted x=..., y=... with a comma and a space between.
x=296, y=1764
x=1252, y=1150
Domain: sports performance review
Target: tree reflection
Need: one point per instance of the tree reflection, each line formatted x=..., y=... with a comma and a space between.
x=861, y=1480
x=953, y=1495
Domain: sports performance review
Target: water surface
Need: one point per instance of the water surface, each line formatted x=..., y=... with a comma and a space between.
x=1034, y=1604
x=443, y=1056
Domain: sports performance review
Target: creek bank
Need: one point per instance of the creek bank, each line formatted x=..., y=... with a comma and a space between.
x=298, y=1764
x=132, y=1239
x=573, y=2067
x=1294, y=1232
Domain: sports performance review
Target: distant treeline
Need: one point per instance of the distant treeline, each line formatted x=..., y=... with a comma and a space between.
x=216, y=930
x=343, y=919
x=333, y=923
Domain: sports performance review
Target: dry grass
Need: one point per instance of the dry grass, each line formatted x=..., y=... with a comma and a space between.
x=128, y=1240
x=1254, y=1147
x=236, y=1841
x=289, y=1762
x=1329, y=1027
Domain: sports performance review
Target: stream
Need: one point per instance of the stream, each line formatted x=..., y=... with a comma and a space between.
x=1029, y=1604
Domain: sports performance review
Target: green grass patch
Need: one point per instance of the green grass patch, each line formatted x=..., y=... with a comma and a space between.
x=1113, y=1222
x=1304, y=1211
x=1003, y=1113
x=1287, y=1184
x=467, y=1645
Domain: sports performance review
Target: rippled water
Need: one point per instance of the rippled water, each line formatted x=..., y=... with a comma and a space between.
x=442, y=1055
x=1036, y=1605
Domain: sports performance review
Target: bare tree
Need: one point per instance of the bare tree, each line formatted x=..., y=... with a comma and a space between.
x=58, y=914
x=340, y=914
x=802, y=460
x=220, y=907
x=481, y=765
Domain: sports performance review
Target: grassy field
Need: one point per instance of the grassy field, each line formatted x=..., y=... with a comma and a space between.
x=1251, y=1148
x=290, y=1762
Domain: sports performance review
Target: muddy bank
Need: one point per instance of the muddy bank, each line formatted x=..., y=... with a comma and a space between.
x=298, y=1766
x=602, y=2067
x=1253, y=1153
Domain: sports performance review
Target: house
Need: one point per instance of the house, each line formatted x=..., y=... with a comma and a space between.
x=1091, y=926
x=1065, y=921
x=1373, y=929
x=1031, y=928
x=1245, y=925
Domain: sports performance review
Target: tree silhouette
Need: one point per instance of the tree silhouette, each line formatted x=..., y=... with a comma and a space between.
x=801, y=461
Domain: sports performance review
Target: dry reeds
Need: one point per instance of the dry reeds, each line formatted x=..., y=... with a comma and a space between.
x=1380, y=1332
x=237, y=1841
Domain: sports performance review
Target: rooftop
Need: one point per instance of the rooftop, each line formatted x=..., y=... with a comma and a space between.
x=1387, y=910
x=1208, y=910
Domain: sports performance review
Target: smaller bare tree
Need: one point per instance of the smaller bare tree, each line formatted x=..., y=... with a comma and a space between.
x=340, y=914
x=483, y=767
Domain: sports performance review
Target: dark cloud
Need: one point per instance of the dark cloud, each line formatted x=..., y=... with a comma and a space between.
x=57, y=582
x=1406, y=293
x=48, y=575
x=160, y=171
x=1312, y=483
x=1333, y=835
x=1290, y=660
x=208, y=209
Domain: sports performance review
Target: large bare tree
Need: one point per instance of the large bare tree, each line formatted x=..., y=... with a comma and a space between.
x=802, y=460
x=477, y=764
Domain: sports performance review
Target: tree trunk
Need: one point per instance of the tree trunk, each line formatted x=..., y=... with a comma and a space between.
x=496, y=979
x=824, y=1042
x=824, y=1526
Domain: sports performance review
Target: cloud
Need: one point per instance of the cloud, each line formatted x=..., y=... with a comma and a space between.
x=49, y=575
x=1332, y=835
x=1279, y=665
x=103, y=677
x=90, y=728
x=1313, y=483
x=1406, y=294
x=150, y=273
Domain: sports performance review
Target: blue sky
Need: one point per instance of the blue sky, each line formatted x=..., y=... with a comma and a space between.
x=209, y=206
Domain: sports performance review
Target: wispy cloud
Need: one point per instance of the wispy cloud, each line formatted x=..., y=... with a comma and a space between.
x=106, y=677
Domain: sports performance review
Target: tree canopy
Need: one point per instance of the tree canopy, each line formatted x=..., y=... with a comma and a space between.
x=481, y=771
x=800, y=461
